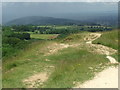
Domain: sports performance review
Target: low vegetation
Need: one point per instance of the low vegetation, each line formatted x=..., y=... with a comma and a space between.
x=109, y=39
x=13, y=42
x=44, y=36
x=28, y=48
x=74, y=65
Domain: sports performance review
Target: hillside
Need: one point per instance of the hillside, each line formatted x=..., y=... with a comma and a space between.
x=62, y=63
x=39, y=20
x=59, y=45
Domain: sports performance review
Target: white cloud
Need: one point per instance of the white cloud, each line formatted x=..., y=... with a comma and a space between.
x=60, y=0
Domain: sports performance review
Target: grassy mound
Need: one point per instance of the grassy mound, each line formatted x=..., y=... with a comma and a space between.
x=109, y=39
x=71, y=65
x=74, y=65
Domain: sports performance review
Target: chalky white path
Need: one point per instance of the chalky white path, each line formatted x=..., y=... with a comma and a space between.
x=111, y=59
x=108, y=78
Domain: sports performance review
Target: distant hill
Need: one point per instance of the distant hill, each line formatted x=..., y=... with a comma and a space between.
x=39, y=20
x=107, y=18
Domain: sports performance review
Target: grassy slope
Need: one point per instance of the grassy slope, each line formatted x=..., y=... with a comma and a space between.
x=74, y=38
x=22, y=66
x=109, y=39
x=71, y=65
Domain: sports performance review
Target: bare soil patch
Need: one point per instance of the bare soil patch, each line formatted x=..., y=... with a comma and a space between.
x=36, y=80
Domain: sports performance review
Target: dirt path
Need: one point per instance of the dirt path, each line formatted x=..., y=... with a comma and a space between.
x=54, y=48
x=100, y=49
x=111, y=59
x=108, y=78
x=36, y=80
x=105, y=79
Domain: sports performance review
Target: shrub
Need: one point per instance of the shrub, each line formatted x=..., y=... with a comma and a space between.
x=7, y=50
x=11, y=41
x=22, y=36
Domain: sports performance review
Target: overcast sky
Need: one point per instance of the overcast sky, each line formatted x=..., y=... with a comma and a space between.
x=59, y=0
x=54, y=9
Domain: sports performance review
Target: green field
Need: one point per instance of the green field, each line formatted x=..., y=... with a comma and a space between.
x=43, y=36
x=62, y=27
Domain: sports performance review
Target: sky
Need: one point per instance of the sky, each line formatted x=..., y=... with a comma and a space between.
x=12, y=10
x=14, y=1
x=59, y=0
x=0, y=13
x=54, y=9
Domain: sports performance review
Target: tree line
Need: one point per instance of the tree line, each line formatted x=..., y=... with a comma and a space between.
x=13, y=41
x=53, y=30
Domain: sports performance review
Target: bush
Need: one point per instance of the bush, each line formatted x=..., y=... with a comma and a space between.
x=11, y=41
x=7, y=50
x=21, y=45
x=26, y=36
x=22, y=36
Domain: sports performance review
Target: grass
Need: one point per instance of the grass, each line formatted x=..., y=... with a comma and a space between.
x=109, y=38
x=74, y=38
x=33, y=51
x=25, y=64
x=43, y=36
x=62, y=27
x=13, y=78
x=115, y=56
x=72, y=65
